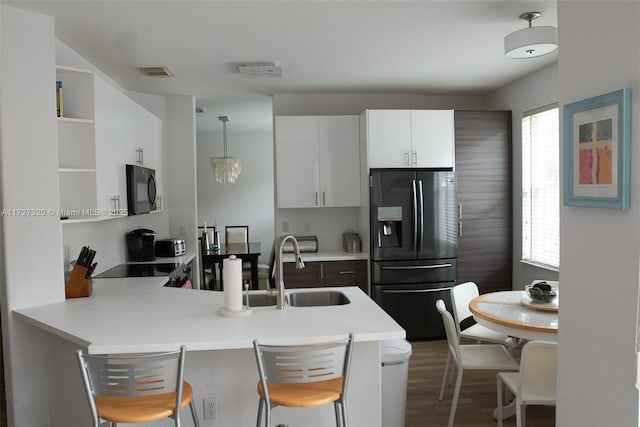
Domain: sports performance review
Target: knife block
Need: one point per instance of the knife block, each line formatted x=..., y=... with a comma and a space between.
x=78, y=285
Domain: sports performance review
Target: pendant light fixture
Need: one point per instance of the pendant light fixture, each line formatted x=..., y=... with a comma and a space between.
x=532, y=41
x=225, y=169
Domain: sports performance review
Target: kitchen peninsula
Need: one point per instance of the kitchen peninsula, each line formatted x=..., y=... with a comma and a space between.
x=139, y=315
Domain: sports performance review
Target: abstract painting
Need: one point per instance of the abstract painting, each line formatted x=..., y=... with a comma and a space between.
x=596, y=151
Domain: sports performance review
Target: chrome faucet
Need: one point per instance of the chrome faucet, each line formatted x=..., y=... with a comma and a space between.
x=279, y=276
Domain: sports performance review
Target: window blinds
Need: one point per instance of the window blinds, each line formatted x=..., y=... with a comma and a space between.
x=541, y=187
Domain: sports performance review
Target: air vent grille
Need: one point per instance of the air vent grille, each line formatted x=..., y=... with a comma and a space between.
x=156, y=71
x=260, y=69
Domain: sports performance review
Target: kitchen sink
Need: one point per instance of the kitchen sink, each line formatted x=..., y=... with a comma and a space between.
x=316, y=299
x=260, y=299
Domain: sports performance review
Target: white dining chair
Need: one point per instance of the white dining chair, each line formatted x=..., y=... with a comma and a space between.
x=494, y=357
x=535, y=384
x=461, y=296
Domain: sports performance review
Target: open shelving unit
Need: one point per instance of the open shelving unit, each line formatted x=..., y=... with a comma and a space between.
x=76, y=144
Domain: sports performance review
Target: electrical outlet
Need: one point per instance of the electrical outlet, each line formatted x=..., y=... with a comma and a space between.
x=210, y=408
x=285, y=226
x=307, y=226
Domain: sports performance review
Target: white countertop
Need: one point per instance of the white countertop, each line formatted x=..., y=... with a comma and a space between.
x=326, y=256
x=139, y=315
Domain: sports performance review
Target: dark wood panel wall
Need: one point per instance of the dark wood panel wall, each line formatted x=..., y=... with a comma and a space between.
x=483, y=167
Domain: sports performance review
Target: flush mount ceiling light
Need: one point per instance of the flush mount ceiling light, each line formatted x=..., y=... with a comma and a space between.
x=532, y=41
x=225, y=169
x=260, y=69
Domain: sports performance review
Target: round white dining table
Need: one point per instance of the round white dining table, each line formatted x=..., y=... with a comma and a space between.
x=515, y=314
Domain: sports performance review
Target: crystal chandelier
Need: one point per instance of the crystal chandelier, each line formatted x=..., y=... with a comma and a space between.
x=225, y=169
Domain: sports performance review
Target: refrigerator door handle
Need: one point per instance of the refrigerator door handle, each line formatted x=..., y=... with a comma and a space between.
x=418, y=267
x=415, y=214
x=414, y=291
x=421, y=215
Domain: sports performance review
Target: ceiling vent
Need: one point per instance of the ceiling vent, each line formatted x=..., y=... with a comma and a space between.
x=156, y=71
x=260, y=69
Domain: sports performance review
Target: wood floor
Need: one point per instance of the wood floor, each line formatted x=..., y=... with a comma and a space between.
x=477, y=396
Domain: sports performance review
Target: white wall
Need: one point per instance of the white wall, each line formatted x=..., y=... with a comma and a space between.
x=533, y=91
x=250, y=200
x=32, y=245
x=599, y=53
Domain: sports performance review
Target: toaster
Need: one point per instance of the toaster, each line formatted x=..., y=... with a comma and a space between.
x=170, y=247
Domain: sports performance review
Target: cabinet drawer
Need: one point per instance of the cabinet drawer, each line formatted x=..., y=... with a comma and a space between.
x=345, y=273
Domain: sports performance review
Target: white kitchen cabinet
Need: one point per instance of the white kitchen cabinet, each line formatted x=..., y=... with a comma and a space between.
x=410, y=138
x=115, y=128
x=148, y=146
x=317, y=161
x=100, y=133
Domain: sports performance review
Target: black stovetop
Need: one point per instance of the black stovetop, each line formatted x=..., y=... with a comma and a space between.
x=139, y=270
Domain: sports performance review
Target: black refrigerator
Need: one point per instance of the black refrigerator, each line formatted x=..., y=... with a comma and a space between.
x=414, y=246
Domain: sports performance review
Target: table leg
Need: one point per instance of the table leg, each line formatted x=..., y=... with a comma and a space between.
x=254, y=272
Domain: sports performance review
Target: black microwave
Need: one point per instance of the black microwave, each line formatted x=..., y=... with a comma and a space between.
x=141, y=190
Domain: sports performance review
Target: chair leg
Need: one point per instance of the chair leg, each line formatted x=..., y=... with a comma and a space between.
x=259, y=417
x=456, y=394
x=338, y=413
x=194, y=414
x=267, y=414
x=444, y=376
x=345, y=417
x=499, y=398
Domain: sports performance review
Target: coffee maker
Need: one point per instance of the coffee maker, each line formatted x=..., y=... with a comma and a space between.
x=140, y=245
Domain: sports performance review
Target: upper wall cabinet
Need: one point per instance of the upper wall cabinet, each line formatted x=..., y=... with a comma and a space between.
x=410, y=138
x=317, y=161
x=101, y=130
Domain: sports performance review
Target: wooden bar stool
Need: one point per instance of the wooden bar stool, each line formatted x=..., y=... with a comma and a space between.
x=304, y=376
x=136, y=388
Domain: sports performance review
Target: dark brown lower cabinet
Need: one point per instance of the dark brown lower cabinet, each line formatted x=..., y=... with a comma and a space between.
x=317, y=274
x=483, y=167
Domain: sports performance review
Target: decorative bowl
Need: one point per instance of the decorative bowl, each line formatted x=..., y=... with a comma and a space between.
x=541, y=292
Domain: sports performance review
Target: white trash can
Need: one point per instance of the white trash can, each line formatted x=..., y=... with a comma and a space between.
x=395, y=370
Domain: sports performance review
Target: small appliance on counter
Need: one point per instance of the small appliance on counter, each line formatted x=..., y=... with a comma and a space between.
x=140, y=244
x=351, y=242
x=170, y=247
x=305, y=243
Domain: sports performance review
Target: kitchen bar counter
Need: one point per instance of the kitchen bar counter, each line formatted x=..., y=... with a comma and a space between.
x=138, y=315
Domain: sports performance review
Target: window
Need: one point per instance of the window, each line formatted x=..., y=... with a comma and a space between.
x=541, y=187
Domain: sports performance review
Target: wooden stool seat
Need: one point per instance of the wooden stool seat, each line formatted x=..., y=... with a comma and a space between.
x=141, y=409
x=304, y=395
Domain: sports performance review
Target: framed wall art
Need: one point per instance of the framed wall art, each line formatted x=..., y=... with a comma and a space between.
x=597, y=161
